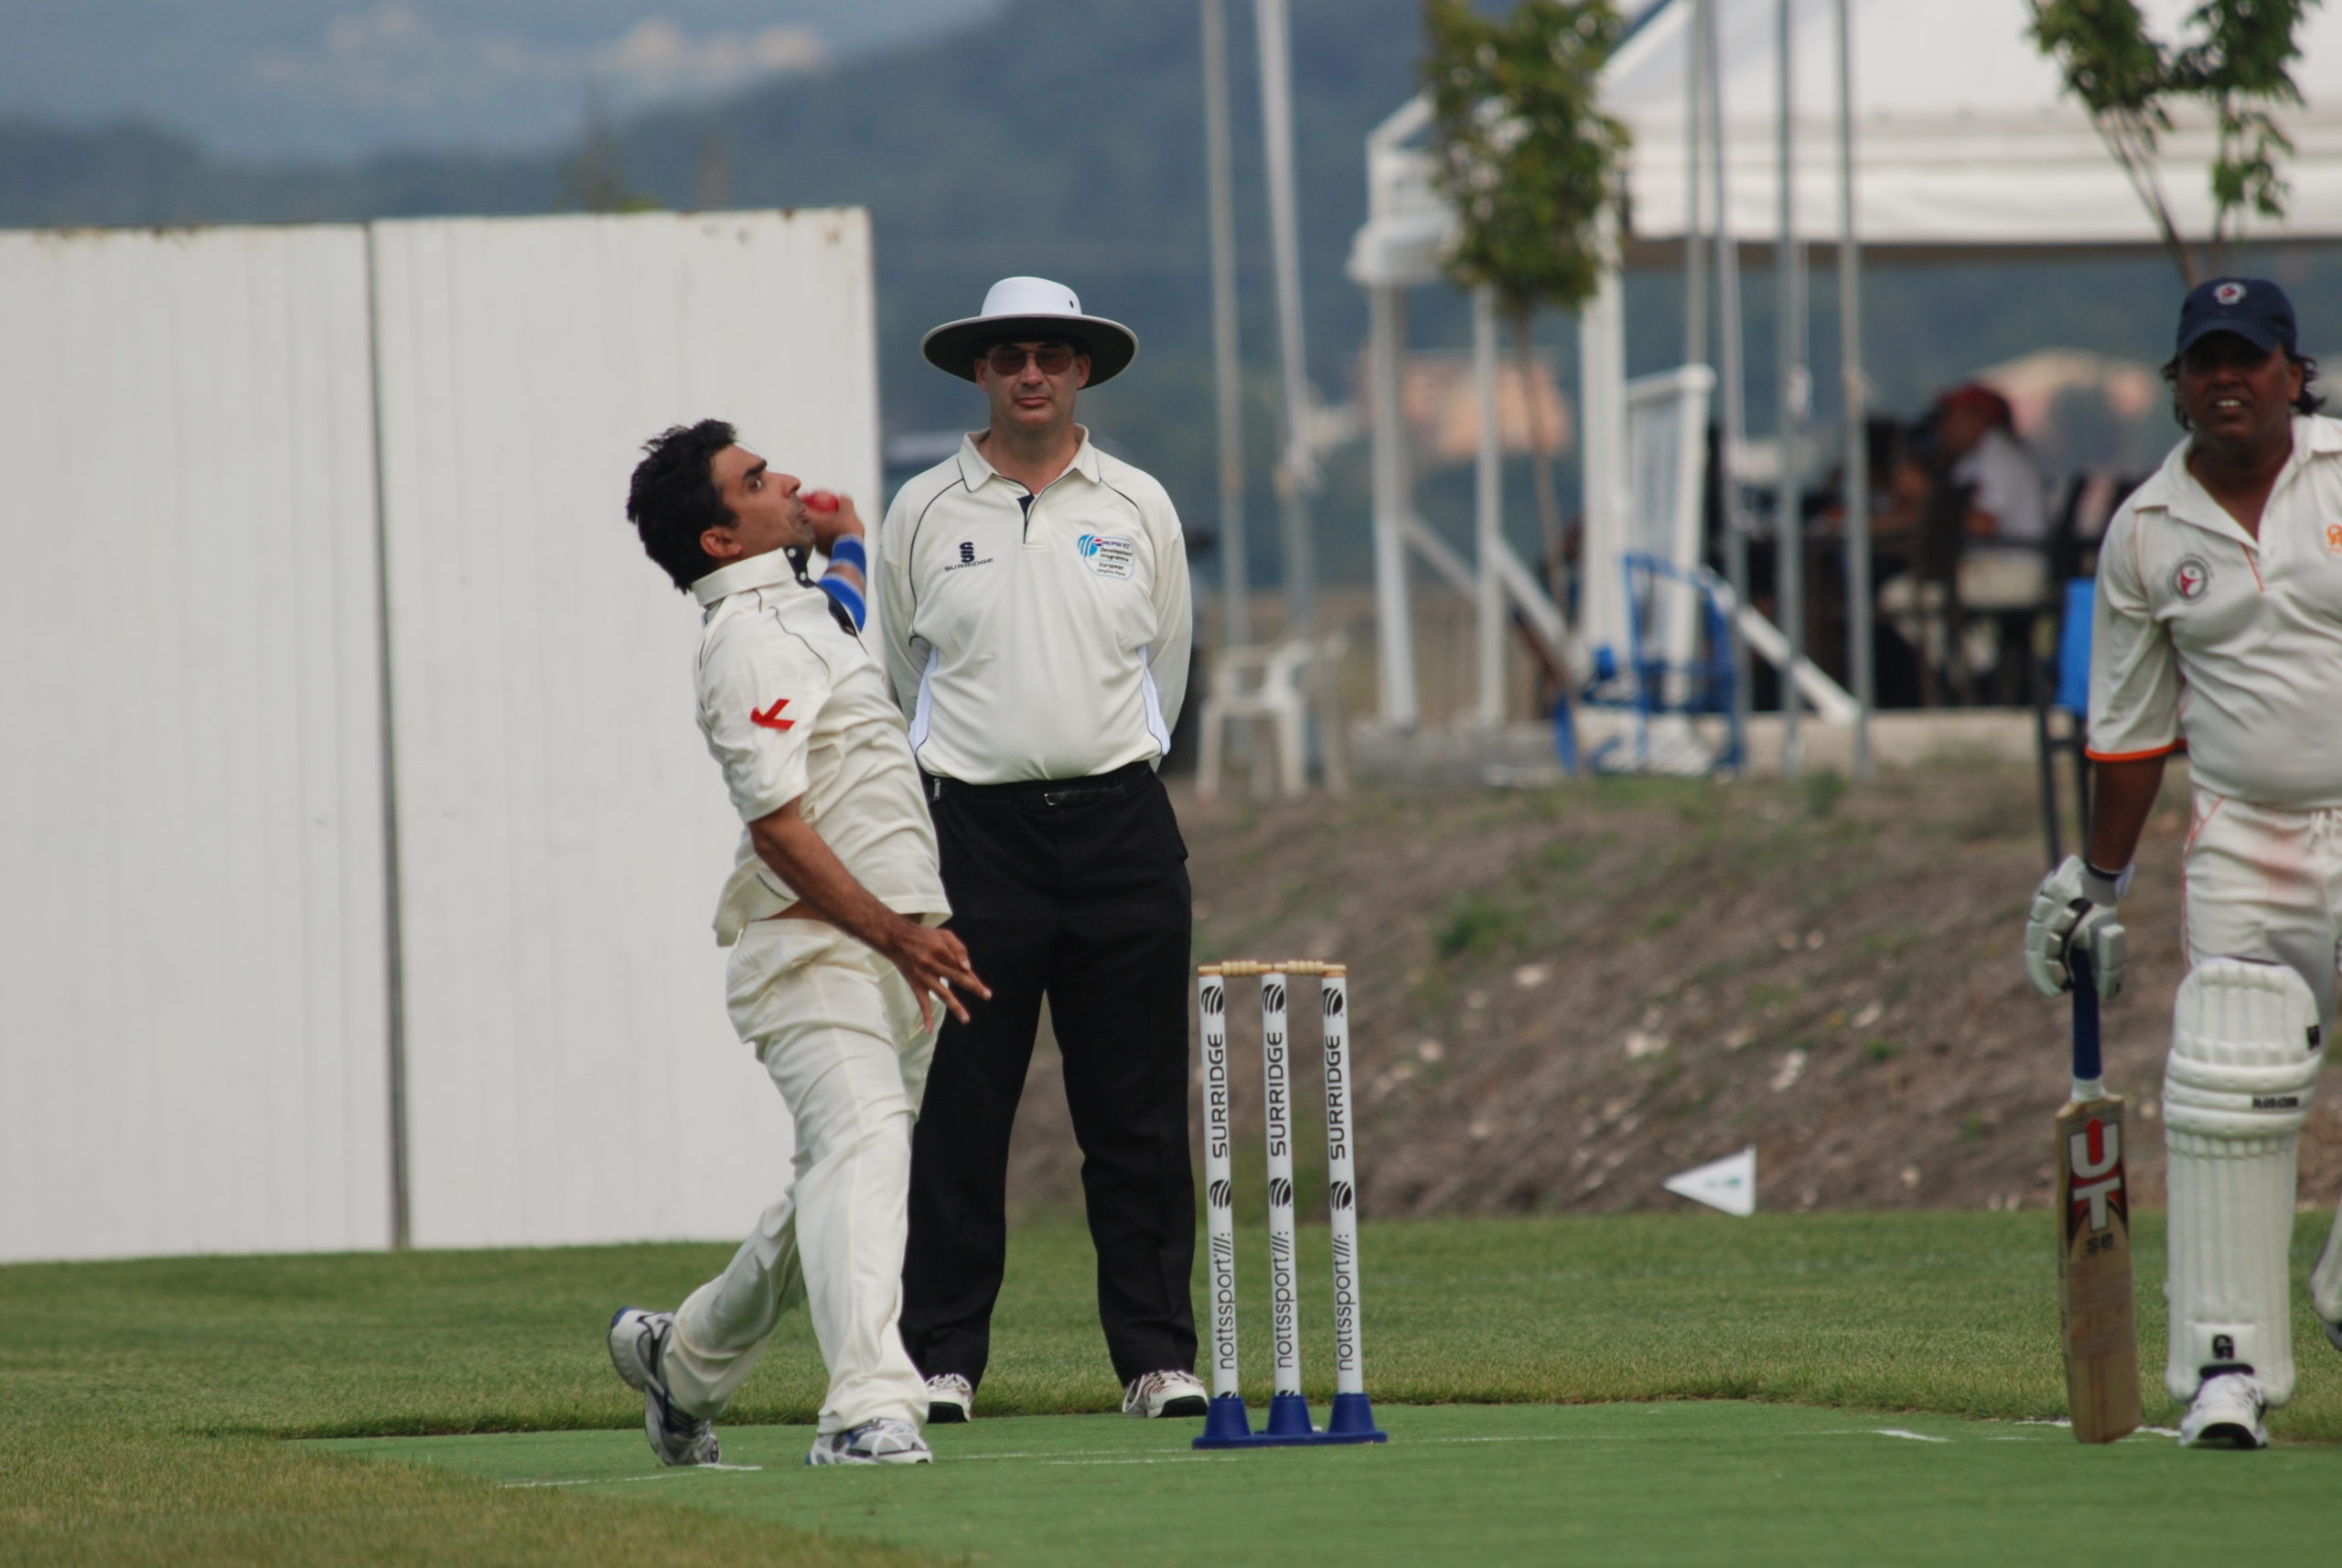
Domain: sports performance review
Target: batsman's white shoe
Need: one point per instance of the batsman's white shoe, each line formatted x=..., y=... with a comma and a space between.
x=2334, y=1332
x=1166, y=1393
x=2227, y=1413
x=951, y=1398
x=882, y=1442
x=638, y=1345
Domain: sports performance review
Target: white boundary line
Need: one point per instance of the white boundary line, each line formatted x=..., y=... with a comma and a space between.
x=614, y=1480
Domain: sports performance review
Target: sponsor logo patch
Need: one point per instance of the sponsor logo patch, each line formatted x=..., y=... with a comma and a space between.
x=2097, y=1198
x=968, y=557
x=2334, y=539
x=1106, y=556
x=2229, y=293
x=769, y=718
x=2191, y=578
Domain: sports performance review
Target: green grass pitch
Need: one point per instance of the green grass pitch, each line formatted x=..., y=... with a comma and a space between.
x=1837, y=1388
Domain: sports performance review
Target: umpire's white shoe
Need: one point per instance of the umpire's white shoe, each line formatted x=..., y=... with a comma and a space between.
x=638, y=1345
x=882, y=1442
x=951, y=1398
x=2227, y=1413
x=1166, y=1393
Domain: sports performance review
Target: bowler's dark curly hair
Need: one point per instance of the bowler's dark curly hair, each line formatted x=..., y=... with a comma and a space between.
x=2310, y=401
x=672, y=499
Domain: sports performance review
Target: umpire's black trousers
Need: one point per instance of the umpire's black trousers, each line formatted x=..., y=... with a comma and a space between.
x=1076, y=890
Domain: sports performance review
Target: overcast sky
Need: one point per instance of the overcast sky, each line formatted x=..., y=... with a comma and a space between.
x=331, y=79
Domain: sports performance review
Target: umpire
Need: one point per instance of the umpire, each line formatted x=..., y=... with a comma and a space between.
x=1034, y=603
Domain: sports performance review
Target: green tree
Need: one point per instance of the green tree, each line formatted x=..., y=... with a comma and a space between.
x=2235, y=60
x=1525, y=155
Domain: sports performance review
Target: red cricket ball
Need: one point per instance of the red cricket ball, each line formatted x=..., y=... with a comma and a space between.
x=821, y=501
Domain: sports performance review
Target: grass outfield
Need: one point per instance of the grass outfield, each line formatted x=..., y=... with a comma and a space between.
x=143, y=1404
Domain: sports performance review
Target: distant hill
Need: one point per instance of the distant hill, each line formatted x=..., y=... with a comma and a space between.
x=1064, y=137
x=277, y=79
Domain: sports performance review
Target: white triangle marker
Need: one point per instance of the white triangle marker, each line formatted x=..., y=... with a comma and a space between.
x=1729, y=1183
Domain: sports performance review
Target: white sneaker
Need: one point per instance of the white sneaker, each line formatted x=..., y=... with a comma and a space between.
x=638, y=1343
x=882, y=1442
x=2227, y=1413
x=951, y=1398
x=1166, y=1393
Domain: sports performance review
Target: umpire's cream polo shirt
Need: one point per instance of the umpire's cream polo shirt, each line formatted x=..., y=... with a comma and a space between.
x=1034, y=635
x=795, y=708
x=2233, y=644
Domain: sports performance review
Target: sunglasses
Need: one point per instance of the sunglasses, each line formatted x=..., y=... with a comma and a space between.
x=1007, y=360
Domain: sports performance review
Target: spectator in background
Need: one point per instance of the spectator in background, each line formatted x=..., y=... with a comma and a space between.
x=2007, y=523
x=1983, y=552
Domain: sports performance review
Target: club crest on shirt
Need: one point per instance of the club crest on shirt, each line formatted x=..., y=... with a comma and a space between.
x=2190, y=579
x=1106, y=556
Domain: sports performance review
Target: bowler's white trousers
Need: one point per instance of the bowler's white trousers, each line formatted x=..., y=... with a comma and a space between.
x=2262, y=884
x=839, y=1029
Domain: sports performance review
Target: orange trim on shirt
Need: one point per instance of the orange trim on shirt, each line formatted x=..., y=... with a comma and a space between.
x=2096, y=756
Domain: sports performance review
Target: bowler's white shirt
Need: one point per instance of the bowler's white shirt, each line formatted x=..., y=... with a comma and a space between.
x=2233, y=645
x=793, y=705
x=1041, y=642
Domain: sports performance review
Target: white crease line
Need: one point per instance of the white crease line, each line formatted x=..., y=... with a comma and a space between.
x=1165, y=1459
x=1114, y=1456
x=612, y=1480
x=1913, y=1436
x=2157, y=1431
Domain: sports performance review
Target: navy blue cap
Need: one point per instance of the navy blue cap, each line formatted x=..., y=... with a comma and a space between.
x=2253, y=308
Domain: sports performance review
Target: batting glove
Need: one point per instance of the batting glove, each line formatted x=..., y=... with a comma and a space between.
x=2075, y=904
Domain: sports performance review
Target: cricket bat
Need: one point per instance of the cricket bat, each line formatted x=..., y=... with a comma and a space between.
x=2094, y=1255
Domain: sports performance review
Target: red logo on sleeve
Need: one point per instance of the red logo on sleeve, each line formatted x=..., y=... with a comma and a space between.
x=769, y=718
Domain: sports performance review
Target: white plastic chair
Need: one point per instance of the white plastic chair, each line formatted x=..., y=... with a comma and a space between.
x=1279, y=684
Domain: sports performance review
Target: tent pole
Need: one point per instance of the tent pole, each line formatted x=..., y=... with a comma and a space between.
x=1732, y=431
x=1789, y=525
x=1386, y=305
x=1695, y=276
x=1487, y=532
x=1859, y=651
x=1235, y=566
x=1297, y=474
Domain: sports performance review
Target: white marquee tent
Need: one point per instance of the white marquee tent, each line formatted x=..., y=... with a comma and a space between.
x=1963, y=142
x=1963, y=134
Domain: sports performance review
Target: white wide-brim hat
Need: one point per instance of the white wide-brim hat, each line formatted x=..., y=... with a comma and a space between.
x=1031, y=307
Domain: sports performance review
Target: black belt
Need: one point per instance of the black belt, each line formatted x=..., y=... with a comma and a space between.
x=1047, y=792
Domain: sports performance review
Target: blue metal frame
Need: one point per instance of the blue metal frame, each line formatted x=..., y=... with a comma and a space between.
x=1641, y=684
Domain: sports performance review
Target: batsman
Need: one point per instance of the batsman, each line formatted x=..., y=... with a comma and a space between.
x=2219, y=628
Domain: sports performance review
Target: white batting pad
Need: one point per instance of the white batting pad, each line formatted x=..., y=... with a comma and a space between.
x=2236, y=1092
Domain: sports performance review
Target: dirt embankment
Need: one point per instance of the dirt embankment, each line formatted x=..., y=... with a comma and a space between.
x=1562, y=997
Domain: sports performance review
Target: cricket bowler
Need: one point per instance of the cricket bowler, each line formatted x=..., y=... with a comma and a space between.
x=836, y=964
x=2218, y=626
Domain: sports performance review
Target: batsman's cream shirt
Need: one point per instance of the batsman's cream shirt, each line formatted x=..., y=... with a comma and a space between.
x=1034, y=635
x=2205, y=635
x=794, y=707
